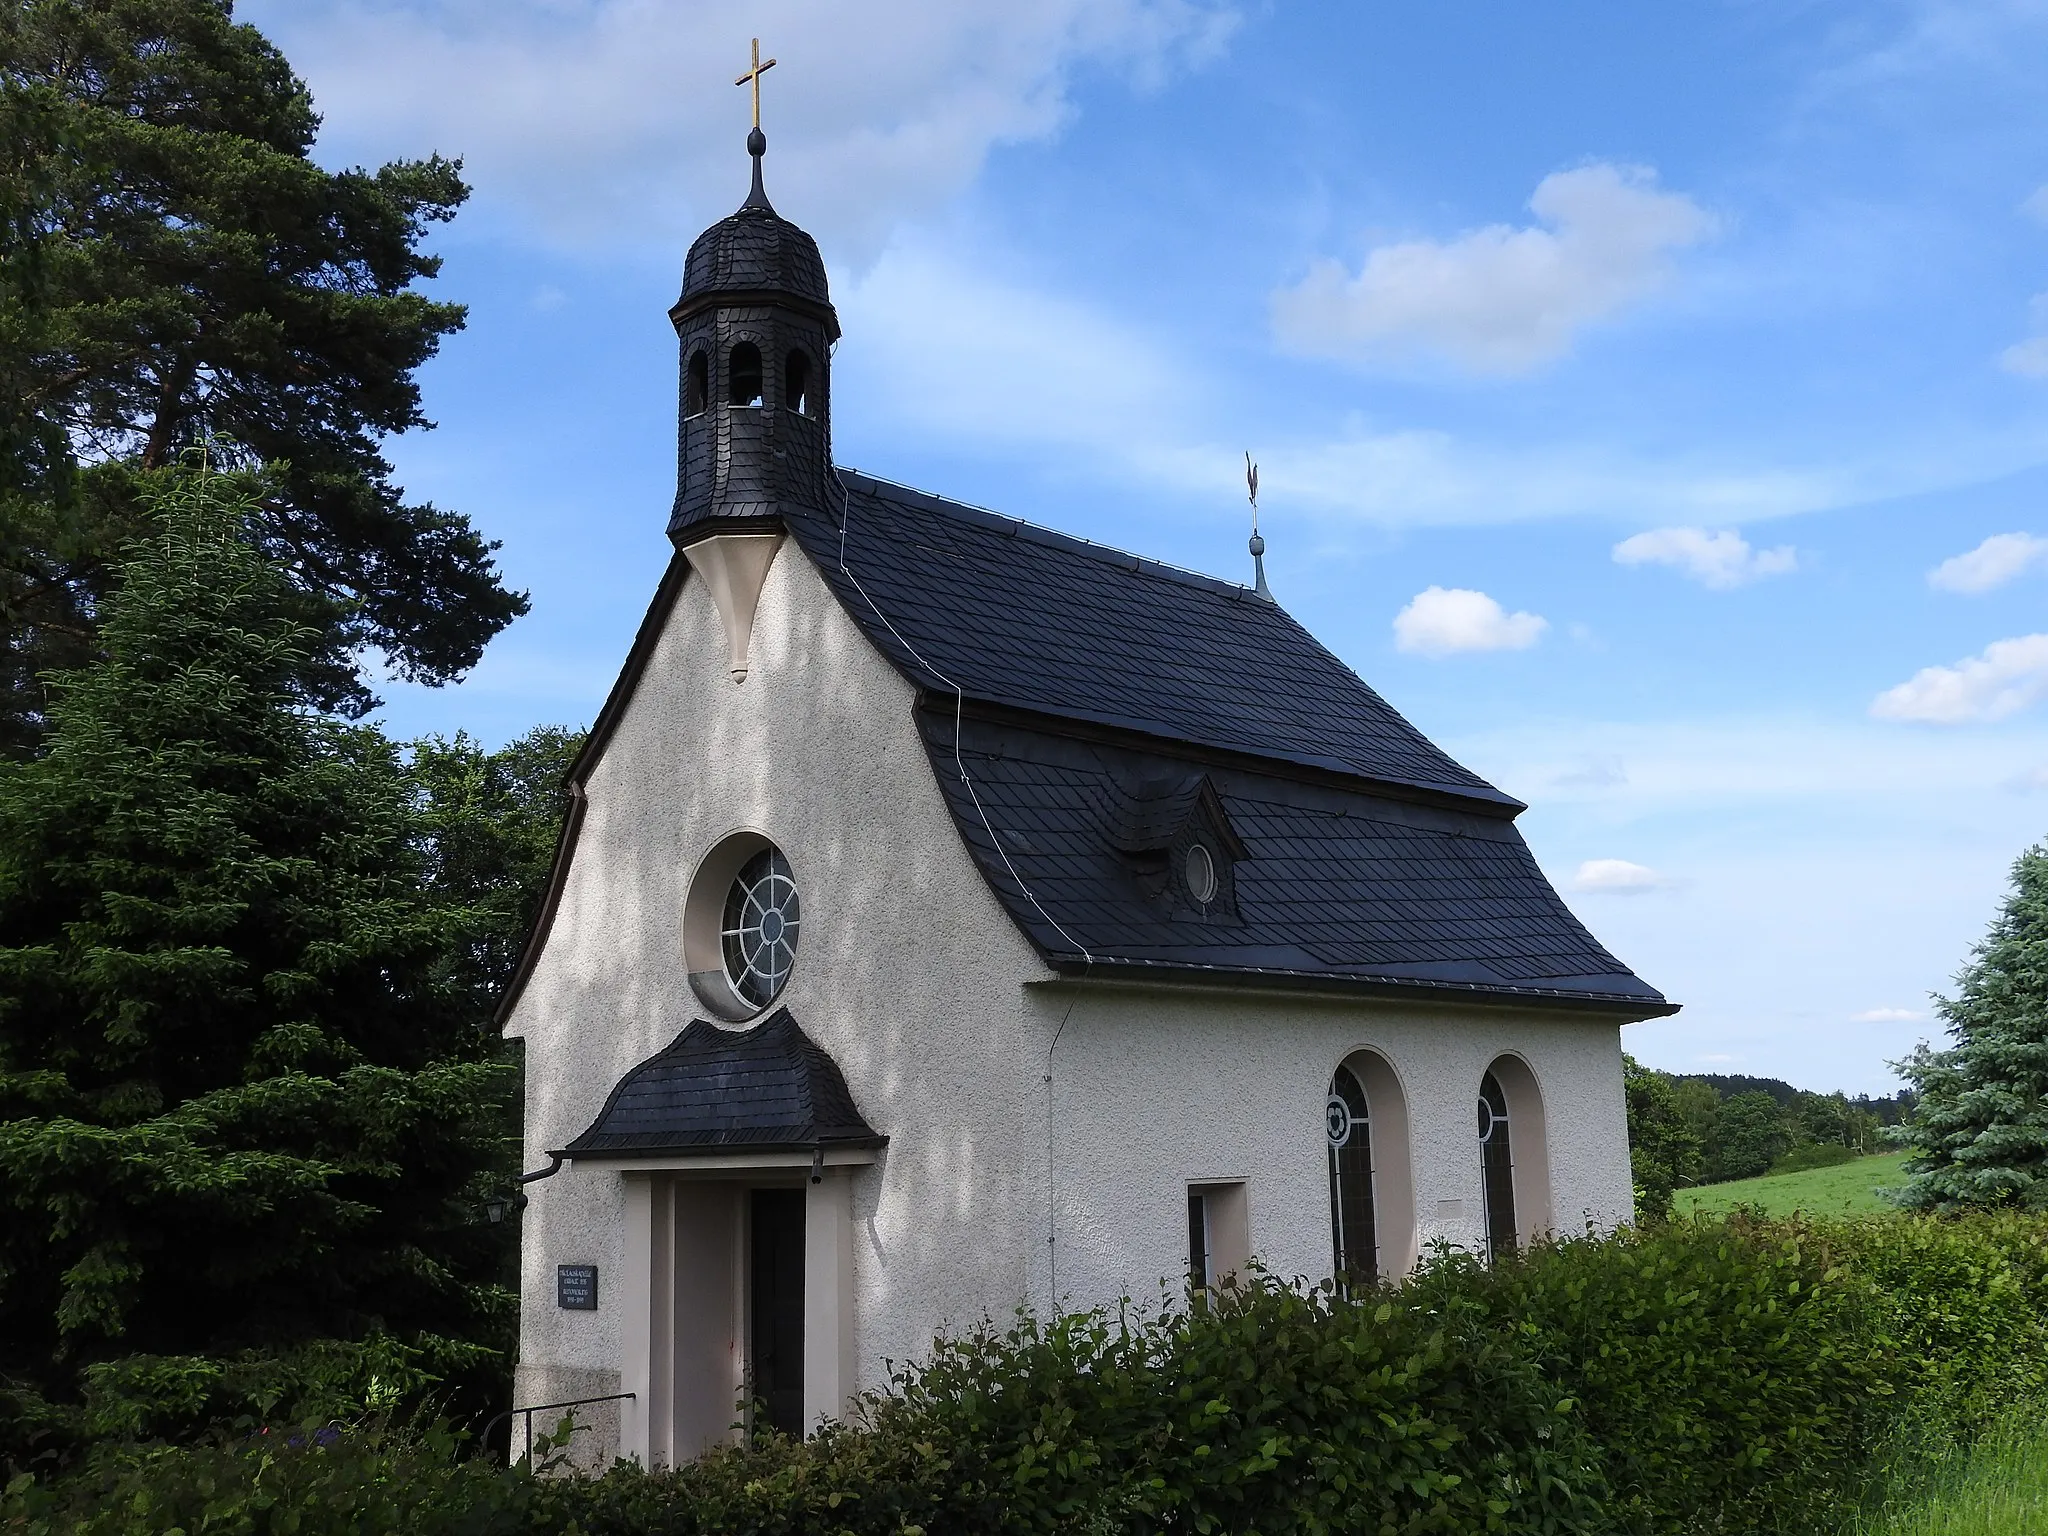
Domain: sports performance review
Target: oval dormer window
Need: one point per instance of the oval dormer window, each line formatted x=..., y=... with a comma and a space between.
x=760, y=928
x=796, y=382
x=743, y=375
x=1200, y=867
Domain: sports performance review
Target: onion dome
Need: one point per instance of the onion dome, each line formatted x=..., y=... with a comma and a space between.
x=755, y=251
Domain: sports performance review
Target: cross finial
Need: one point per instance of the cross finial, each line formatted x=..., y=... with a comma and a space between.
x=753, y=77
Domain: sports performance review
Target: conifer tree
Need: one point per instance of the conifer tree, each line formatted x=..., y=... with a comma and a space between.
x=1979, y=1134
x=247, y=1111
x=174, y=262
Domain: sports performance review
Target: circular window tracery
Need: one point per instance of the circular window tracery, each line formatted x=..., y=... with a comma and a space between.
x=759, y=933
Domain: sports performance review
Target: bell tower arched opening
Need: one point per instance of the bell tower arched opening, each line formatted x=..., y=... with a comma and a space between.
x=743, y=374
x=796, y=382
x=697, y=384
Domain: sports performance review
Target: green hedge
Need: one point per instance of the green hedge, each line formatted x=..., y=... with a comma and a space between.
x=1705, y=1377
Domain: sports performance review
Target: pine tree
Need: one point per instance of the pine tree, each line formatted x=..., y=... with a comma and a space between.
x=173, y=262
x=1979, y=1134
x=247, y=1111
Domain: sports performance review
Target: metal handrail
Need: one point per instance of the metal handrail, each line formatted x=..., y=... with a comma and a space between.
x=529, y=1412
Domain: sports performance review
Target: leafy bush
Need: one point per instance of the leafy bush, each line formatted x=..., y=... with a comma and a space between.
x=309, y=1482
x=1705, y=1378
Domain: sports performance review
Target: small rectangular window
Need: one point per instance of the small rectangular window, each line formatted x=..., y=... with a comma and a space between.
x=1219, y=1234
x=1200, y=1274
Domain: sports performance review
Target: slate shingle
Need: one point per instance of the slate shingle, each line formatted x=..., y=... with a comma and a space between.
x=1019, y=615
x=1334, y=883
x=769, y=1088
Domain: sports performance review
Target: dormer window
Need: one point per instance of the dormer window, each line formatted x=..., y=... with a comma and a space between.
x=1177, y=840
x=697, y=384
x=796, y=382
x=743, y=375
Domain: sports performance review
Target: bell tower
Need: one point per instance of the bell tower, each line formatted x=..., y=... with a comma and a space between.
x=755, y=327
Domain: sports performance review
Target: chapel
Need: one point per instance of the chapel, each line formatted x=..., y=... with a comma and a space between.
x=955, y=915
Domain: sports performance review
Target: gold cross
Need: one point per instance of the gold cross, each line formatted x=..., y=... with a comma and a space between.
x=753, y=76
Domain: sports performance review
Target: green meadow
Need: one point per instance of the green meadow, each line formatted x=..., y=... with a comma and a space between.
x=1848, y=1189
x=1997, y=1488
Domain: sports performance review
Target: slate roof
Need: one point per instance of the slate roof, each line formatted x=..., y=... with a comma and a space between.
x=754, y=250
x=1019, y=615
x=768, y=1088
x=1108, y=709
x=1333, y=884
x=1106, y=704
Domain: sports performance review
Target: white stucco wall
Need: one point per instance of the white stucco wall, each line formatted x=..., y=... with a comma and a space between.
x=941, y=1016
x=907, y=972
x=1153, y=1091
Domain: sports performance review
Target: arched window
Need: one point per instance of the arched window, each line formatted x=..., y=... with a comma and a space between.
x=796, y=382
x=743, y=375
x=1352, y=1225
x=697, y=384
x=1497, y=1157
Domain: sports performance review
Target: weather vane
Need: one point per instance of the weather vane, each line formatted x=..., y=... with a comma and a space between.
x=1258, y=545
x=753, y=77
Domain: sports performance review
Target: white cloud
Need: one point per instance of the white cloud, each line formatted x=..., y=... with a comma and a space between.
x=1592, y=772
x=2029, y=358
x=605, y=120
x=1719, y=560
x=1500, y=300
x=1993, y=563
x=1441, y=621
x=1886, y=1016
x=2036, y=205
x=2028, y=781
x=2007, y=678
x=1617, y=877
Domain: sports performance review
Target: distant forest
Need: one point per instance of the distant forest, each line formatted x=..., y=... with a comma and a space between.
x=1889, y=1110
x=1691, y=1128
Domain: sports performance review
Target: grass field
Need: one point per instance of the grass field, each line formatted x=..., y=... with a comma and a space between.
x=1845, y=1190
x=1999, y=1489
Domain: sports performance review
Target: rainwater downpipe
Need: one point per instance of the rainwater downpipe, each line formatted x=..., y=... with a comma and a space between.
x=1052, y=1212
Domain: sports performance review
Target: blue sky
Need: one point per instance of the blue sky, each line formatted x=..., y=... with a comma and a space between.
x=1635, y=389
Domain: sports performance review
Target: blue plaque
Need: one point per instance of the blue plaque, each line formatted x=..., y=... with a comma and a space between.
x=576, y=1287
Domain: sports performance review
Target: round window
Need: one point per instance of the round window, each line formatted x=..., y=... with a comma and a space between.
x=1201, y=873
x=760, y=927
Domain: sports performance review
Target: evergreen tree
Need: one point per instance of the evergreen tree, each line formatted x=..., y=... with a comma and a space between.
x=173, y=263
x=1750, y=1133
x=247, y=1112
x=489, y=823
x=1979, y=1133
x=1663, y=1152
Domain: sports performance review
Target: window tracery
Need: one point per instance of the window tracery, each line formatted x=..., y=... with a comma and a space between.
x=1353, y=1227
x=1497, y=1157
x=759, y=934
